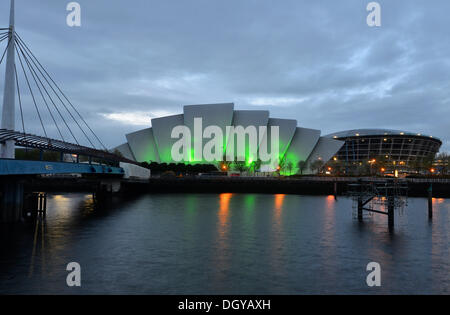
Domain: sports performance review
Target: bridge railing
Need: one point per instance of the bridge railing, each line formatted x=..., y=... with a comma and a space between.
x=37, y=142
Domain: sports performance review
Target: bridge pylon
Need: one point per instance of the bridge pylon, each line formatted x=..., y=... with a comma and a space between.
x=7, y=148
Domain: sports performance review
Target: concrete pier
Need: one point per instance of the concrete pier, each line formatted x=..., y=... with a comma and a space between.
x=11, y=202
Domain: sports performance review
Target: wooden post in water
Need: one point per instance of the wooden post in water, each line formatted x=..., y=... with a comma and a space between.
x=360, y=203
x=335, y=190
x=430, y=201
x=44, y=209
x=360, y=209
x=391, y=207
x=42, y=203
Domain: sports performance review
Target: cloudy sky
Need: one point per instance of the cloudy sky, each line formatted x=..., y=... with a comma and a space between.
x=315, y=61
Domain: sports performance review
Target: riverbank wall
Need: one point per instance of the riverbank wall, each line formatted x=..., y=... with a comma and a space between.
x=270, y=185
x=300, y=186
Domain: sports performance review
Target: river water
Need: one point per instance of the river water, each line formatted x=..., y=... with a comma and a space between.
x=226, y=244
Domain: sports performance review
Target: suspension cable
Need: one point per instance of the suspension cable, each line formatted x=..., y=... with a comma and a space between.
x=64, y=105
x=31, y=70
x=54, y=105
x=32, y=95
x=3, y=36
x=4, y=52
x=29, y=52
x=20, y=100
x=51, y=99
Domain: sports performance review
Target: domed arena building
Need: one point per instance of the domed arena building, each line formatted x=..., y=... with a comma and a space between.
x=401, y=149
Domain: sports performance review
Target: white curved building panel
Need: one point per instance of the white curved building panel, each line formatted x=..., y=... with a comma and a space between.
x=301, y=146
x=287, y=129
x=162, y=133
x=247, y=118
x=143, y=146
x=125, y=150
x=220, y=115
x=324, y=151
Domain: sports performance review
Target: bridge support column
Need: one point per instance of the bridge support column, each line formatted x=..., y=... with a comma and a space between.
x=112, y=186
x=7, y=149
x=11, y=202
x=105, y=190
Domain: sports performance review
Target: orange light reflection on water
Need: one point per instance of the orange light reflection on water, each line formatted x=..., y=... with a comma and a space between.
x=279, y=199
x=221, y=260
x=277, y=235
x=224, y=208
x=223, y=215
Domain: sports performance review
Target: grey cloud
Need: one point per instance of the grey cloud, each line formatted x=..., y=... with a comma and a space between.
x=148, y=56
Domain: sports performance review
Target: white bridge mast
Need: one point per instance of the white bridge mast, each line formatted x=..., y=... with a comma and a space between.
x=7, y=149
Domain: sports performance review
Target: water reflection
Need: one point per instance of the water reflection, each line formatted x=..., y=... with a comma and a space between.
x=221, y=255
x=223, y=214
x=277, y=250
x=330, y=202
x=52, y=233
x=56, y=232
x=249, y=218
x=328, y=239
x=38, y=234
x=439, y=242
x=225, y=244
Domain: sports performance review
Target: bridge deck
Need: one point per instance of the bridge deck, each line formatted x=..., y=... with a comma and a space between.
x=32, y=141
x=21, y=167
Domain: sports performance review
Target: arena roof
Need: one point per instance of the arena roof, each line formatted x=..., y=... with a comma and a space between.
x=156, y=143
x=375, y=132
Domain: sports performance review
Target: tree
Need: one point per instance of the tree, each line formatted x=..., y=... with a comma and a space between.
x=317, y=166
x=118, y=153
x=240, y=166
x=256, y=165
x=289, y=167
x=302, y=166
x=427, y=162
x=337, y=166
x=281, y=164
x=443, y=160
x=416, y=166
